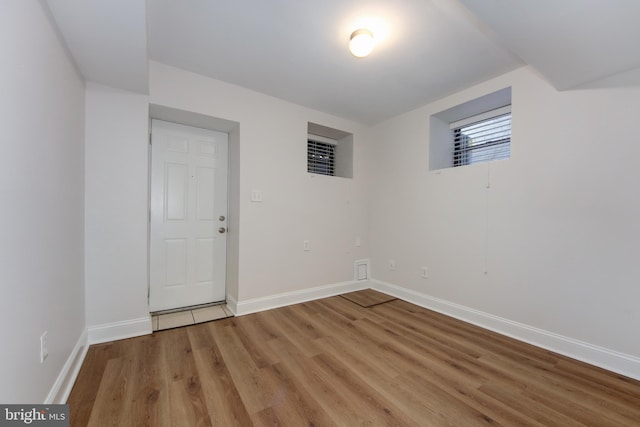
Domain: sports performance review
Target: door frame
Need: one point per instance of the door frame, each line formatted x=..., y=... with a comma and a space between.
x=232, y=128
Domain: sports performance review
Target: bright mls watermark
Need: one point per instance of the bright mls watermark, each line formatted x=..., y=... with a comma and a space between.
x=34, y=415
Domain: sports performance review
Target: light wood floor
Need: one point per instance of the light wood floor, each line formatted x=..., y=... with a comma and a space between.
x=334, y=363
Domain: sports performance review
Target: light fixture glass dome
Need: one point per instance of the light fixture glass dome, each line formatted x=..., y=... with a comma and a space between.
x=361, y=43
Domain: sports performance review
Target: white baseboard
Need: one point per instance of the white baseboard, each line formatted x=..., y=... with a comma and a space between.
x=67, y=377
x=120, y=330
x=295, y=297
x=605, y=358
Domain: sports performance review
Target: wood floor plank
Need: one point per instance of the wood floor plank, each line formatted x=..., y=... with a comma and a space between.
x=351, y=388
x=287, y=402
x=391, y=388
x=265, y=418
x=183, y=378
x=531, y=410
x=149, y=400
x=222, y=398
x=352, y=339
x=187, y=403
x=332, y=395
x=616, y=386
x=452, y=384
x=449, y=376
x=179, y=362
x=331, y=362
x=299, y=333
x=84, y=392
x=200, y=336
x=113, y=391
x=251, y=334
x=294, y=365
x=311, y=413
x=244, y=373
x=544, y=386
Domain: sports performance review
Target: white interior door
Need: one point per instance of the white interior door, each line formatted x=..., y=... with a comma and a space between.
x=188, y=216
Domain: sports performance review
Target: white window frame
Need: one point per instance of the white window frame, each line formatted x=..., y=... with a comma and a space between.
x=441, y=123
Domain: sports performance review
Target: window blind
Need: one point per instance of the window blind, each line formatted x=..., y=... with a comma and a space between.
x=321, y=157
x=485, y=140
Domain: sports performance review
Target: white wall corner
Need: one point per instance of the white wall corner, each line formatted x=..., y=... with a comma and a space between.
x=605, y=358
x=120, y=330
x=67, y=377
x=289, y=298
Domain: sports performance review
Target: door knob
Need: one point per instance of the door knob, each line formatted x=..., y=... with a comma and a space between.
x=221, y=218
x=222, y=230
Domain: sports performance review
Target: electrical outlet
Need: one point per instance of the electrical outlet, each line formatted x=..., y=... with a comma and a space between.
x=305, y=245
x=256, y=196
x=392, y=264
x=44, y=349
x=425, y=272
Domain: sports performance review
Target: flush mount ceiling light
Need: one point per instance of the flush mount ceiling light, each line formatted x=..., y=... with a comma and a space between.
x=361, y=43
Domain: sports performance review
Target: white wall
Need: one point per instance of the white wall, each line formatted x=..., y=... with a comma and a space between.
x=116, y=212
x=42, y=191
x=557, y=232
x=327, y=211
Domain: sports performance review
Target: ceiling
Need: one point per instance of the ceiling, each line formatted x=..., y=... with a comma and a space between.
x=297, y=50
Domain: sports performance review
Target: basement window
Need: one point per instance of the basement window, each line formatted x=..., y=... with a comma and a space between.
x=321, y=155
x=481, y=139
x=329, y=151
x=473, y=132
